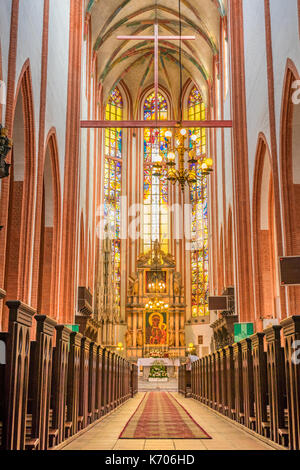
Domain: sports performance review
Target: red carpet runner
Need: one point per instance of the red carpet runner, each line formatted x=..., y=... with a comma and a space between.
x=161, y=416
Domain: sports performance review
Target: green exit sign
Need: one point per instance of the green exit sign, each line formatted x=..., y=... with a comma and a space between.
x=242, y=331
x=73, y=328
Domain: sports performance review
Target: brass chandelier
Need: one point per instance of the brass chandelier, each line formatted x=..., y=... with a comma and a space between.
x=156, y=286
x=190, y=169
x=157, y=305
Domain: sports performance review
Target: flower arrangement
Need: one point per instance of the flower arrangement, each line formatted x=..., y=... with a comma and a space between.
x=156, y=353
x=158, y=371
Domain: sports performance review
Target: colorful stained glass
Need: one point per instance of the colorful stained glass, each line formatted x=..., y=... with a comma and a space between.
x=196, y=112
x=113, y=187
x=156, y=225
x=199, y=254
x=113, y=137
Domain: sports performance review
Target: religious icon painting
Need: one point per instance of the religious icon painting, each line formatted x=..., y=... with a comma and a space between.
x=156, y=328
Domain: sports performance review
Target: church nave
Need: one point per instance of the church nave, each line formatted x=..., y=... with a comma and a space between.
x=224, y=435
x=149, y=225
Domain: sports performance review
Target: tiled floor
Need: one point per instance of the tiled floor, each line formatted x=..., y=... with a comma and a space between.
x=225, y=436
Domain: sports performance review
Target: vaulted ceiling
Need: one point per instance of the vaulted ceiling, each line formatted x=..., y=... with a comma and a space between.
x=132, y=61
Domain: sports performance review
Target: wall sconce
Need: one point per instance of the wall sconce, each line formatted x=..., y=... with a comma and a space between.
x=191, y=348
x=5, y=147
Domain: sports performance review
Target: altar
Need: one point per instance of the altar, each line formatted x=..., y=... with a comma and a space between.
x=144, y=366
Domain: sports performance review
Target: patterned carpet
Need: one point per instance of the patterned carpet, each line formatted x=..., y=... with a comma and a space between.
x=160, y=416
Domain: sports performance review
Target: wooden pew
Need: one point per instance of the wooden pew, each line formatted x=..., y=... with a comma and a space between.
x=193, y=380
x=248, y=384
x=98, y=392
x=122, y=361
x=16, y=375
x=40, y=376
x=291, y=332
x=59, y=385
x=109, y=382
x=84, y=382
x=223, y=381
x=105, y=382
x=209, y=380
x=93, y=352
x=238, y=411
x=201, y=380
x=276, y=383
x=218, y=402
x=229, y=365
x=260, y=382
x=73, y=384
x=205, y=380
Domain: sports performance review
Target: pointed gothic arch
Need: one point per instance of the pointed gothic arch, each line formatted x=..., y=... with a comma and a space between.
x=50, y=230
x=20, y=221
x=229, y=249
x=221, y=280
x=290, y=174
x=264, y=235
x=82, y=251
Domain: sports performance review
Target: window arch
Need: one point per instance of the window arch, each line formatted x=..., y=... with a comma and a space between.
x=113, y=187
x=156, y=217
x=199, y=230
x=113, y=137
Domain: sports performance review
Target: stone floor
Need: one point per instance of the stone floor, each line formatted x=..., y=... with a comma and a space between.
x=171, y=386
x=225, y=436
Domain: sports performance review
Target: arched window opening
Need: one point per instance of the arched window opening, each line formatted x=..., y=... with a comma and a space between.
x=113, y=187
x=199, y=232
x=156, y=217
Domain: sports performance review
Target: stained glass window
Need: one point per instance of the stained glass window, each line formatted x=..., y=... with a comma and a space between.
x=112, y=187
x=196, y=112
x=113, y=137
x=156, y=225
x=199, y=253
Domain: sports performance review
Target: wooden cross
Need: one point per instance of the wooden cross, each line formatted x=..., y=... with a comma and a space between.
x=155, y=124
x=156, y=38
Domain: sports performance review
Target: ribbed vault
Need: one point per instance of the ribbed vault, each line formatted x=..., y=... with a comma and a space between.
x=132, y=61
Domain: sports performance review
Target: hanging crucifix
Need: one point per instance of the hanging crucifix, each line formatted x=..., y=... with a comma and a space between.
x=156, y=38
x=156, y=123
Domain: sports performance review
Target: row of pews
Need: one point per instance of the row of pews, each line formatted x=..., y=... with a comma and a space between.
x=55, y=386
x=255, y=382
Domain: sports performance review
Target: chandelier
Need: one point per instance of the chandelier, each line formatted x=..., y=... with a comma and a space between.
x=190, y=168
x=156, y=287
x=157, y=305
